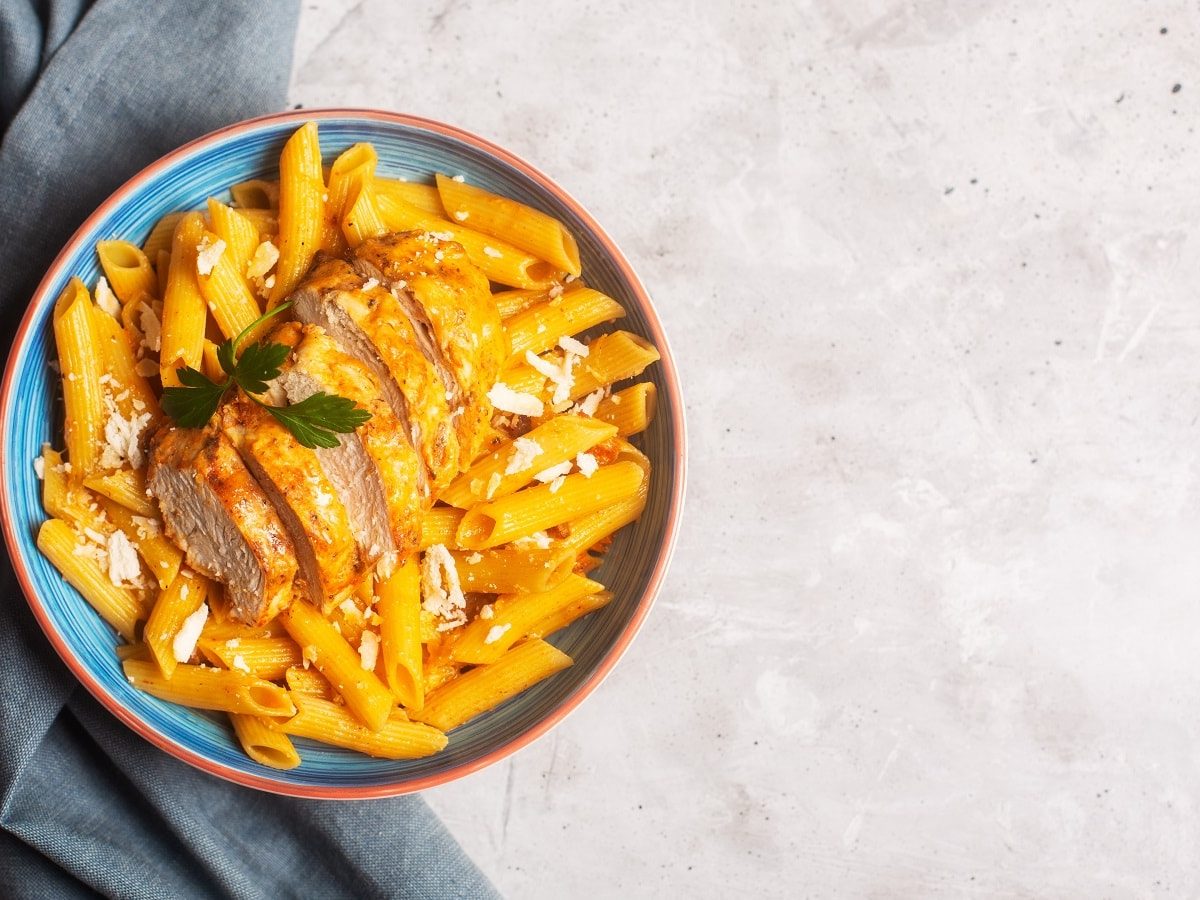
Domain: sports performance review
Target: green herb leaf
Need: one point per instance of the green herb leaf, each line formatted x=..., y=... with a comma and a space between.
x=193, y=404
x=258, y=364
x=317, y=420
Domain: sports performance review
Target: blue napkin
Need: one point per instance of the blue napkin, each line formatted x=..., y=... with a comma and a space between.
x=89, y=95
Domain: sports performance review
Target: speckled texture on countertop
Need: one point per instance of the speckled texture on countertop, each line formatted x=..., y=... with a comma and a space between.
x=932, y=275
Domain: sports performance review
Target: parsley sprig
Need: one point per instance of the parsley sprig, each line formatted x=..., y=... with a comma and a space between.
x=315, y=421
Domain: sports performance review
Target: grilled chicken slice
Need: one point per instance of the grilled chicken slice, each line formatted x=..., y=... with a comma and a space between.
x=375, y=468
x=449, y=304
x=213, y=508
x=308, y=504
x=367, y=323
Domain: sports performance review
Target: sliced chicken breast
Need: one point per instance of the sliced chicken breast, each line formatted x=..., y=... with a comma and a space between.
x=375, y=468
x=368, y=323
x=308, y=504
x=447, y=299
x=214, y=509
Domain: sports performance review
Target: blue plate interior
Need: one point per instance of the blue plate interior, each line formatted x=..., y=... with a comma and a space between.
x=404, y=151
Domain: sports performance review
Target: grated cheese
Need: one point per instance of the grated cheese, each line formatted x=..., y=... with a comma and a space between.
x=368, y=650
x=106, y=299
x=589, y=404
x=491, y=251
x=557, y=483
x=370, y=284
x=587, y=464
x=553, y=472
x=263, y=261
x=122, y=437
x=538, y=539
x=239, y=662
x=308, y=655
x=496, y=632
x=507, y=400
x=39, y=467
x=458, y=178
x=123, y=566
x=441, y=590
x=462, y=215
x=184, y=643
x=208, y=254
x=486, y=612
x=147, y=368
x=151, y=327
x=475, y=558
x=555, y=292
x=493, y=485
x=571, y=345
x=524, y=452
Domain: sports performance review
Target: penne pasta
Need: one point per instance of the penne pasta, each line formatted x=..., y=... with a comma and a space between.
x=118, y=606
x=355, y=165
x=422, y=196
x=62, y=498
x=161, y=238
x=184, y=313
x=219, y=689
x=255, y=194
x=510, y=569
x=540, y=327
x=301, y=210
x=485, y=687
x=308, y=681
x=514, y=616
x=227, y=292
x=126, y=487
x=131, y=391
x=397, y=738
x=522, y=226
x=267, y=658
x=509, y=303
x=630, y=410
x=515, y=464
x=399, y=604
x=565, y=615
x=263, y=743
x=537, y=508
x=186, y=593
x=127, y=269
x=439, y=526
x=161, y=556
x=364, y=693
x=239, y=232
x=500, y=262
x=82, y=363
x=612, y=357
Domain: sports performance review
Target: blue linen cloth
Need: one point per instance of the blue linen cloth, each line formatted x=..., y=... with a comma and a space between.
x=89, y=94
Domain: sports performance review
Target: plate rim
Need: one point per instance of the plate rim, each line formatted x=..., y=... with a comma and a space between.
x=667, y=545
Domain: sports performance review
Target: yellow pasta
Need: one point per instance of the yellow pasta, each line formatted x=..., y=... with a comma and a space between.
x=219, y=689
x=564, y=616
x=514, y=616
x=522, y=226
x=184, y=313
x=186, y=593
x=268, y=658
x=227, y=293
x=265, y=220
x=82, y=362
x=162, y=268
x=630, y=410
x=63, y=498
x=396, y=738
x=361, y=219
x=537, y=508
x=508, y=469
x=509, y=303
x=612, y=357
x=239, y=232
x=485, y=687
x=127, y=269
x=539, y=328
x=363, y=692
x=346, y=176
x=133, y=651
x=118, y=606
x=422, y=196
x=161, y=556
x=126, y=487
x=161, y=237
x=501, y=262
x=224, y=631
x=301, y=208
x=510, y=569
x=399, y=604
x=263, y=743
x=308, y=681
x=439, y=526
x=256, y=194
x=131, y=391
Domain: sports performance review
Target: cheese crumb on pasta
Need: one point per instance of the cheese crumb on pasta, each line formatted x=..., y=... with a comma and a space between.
x=184, y=644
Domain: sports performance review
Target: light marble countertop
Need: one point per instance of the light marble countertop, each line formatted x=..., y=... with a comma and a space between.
x=930, y=271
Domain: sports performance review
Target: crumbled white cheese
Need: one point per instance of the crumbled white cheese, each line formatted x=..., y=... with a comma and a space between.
x=587, y=464
x=146, y=527
x=322, y=497
x=308, y=655
x=462, y=215
x=208, y=254
x=496, y=632
x=569, y=279
x=491, y=251
x=269, y=282
x=553, y=472
x=441, y=590
x=493, y=485
x=557, y=483
x=589, y=404
x=475, y=558
x=524, y=452
x=486, y=612
x=555, y=292
x=184, y=590
x=458, y=178
x=147, y=368
x=233, y=643
x=106, y=299
x=506, y=399
x=368, y=650
x=442, y=235
x=122, y=437
x=370, y=284
x=151, y=327
x=263, y=261
x=562, y=375
x=184, y=644
x=439, y=255
x=123, y=566
x=348, y=608
x=239, y=662
x=39, y=467
x=571, y=345
x=538, y=539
